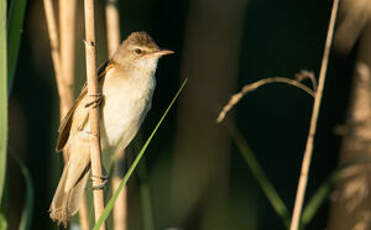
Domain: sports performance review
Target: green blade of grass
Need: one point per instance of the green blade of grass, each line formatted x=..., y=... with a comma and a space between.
x=267, y=187
x=317, y=200
x=3, y=95
x=27, y=213
x=15, y=29
x=112, y=201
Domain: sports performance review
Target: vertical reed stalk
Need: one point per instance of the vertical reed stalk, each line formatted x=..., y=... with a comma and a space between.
x=54, y=45
x=120, y=207
x=113, y=26
x=313, y=124
x=67, y=15
x=65, y=93
x=93, y=91
x=83, y=215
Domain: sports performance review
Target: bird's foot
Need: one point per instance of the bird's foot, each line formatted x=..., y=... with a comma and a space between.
x=102, y=178
x=97, y=102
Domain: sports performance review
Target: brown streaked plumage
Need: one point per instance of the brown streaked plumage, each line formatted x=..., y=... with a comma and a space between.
x=127, y=83
x=65, y=126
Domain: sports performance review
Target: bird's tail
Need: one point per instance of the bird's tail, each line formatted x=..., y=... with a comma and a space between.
x=68, y=196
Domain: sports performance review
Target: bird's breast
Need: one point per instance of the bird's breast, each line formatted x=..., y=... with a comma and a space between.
x=126, y=103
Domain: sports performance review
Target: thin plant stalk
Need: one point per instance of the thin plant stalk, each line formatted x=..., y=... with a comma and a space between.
x=313, y=124
x=113, y=26
x=63, y=90
x=120, y=207
x=235, y=98
x=113, y=40
x=67, y=21
x=3, y=95
x=83, y=215
x=54, y=45
x=93, y=91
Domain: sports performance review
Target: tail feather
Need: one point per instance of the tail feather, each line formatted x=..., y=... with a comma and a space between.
x=66, y=202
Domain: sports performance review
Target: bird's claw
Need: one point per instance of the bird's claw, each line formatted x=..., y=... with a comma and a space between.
x=104, y=178
x=95, y=103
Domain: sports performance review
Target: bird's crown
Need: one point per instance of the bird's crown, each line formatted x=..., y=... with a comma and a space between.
x=141, y=39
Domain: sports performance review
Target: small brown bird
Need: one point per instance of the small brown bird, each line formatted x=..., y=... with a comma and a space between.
x=127, y=82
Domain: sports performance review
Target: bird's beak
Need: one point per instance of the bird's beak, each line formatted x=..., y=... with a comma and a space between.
x=163, y=52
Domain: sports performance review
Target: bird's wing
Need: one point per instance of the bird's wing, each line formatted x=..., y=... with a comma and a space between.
x=65, y=126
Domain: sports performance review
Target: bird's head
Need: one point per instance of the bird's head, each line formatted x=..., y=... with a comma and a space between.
x=139, y=51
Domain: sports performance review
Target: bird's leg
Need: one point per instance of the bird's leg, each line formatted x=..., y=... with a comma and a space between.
x=98, y=100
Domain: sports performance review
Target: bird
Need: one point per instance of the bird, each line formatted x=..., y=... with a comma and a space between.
x=127, y=83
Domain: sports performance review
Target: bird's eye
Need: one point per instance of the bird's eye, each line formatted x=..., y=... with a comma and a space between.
x=138, y=51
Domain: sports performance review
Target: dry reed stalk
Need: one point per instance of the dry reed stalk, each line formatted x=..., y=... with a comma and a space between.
x=113, y=26
x=253, y=86
x=113, y=39
x=67, y=15
x=120, y=207
x=305, y=74
x=83, y=215
x=93, y=91
x=54, y=45
x=313, y=123
x=64, y=92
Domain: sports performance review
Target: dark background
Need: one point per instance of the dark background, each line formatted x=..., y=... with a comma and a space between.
x=278, y=38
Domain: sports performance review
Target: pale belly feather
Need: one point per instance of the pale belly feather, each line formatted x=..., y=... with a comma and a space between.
x=126, y=104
